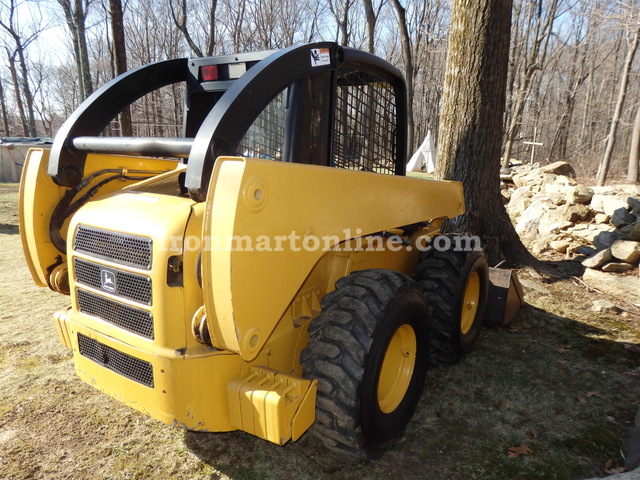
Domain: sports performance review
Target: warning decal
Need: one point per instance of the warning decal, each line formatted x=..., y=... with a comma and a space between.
x=320, y=57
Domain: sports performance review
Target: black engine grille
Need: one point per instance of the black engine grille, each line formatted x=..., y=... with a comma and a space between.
x=133, y=319
x=116, y=361
x=118, y=247
x=128, y=285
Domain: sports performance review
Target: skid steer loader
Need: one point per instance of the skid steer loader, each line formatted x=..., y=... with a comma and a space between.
x=271, y=270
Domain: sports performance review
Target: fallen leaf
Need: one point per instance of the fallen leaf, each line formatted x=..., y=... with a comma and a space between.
x=593, y=394
x=532, y=432
x=611, y=420
x=612, y=471
x=523, y=449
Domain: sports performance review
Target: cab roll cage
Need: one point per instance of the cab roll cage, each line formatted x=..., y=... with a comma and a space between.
x=219, y=112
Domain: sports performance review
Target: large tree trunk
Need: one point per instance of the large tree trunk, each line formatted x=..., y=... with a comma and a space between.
x=120, y=56
x=634, y=153
x=471, y=126
x=603, y=168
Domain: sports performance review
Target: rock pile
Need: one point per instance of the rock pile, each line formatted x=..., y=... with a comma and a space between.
x=599, y=226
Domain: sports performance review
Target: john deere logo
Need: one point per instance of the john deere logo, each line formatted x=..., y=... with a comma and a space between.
x=108, y=280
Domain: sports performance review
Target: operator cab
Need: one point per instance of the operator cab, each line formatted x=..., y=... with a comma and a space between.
x=319, y=104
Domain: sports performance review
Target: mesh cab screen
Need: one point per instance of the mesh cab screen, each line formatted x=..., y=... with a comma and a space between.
x=265, y=137
x=365, y=124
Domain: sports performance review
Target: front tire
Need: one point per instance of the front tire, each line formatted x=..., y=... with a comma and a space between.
x=369, y=350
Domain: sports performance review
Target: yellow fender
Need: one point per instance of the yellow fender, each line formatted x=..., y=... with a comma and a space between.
x=268, y=223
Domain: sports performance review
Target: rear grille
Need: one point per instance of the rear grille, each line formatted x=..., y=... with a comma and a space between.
x=117, y=247
x=130, y=318
x=128, y=285
x=116, y=361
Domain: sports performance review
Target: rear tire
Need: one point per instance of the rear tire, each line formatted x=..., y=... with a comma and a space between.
x=456, y=285
x=369, y=350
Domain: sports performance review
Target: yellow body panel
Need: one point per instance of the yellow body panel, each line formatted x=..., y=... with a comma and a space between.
x=257, y=304
x=186, y=392
x=310, y=209
x=190, y=379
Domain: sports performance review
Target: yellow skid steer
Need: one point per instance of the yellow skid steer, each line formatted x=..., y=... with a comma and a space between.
x=272, y=270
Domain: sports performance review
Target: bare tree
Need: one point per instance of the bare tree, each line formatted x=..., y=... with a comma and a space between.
x=340, y=12
x=18, y=95
x=537, y=26
x=180, y=20
x=603, y=168
x=64, y=90
x=428, y=24
x=371, y=14
x=577, y=74
x=3, y=106
x=157, y=113
x=120, y=56
x=563, y=79
x=16, y=55
x=44, y=105
x=634, y=152
x=405, y=41
x=75, y=13
x=234, y=13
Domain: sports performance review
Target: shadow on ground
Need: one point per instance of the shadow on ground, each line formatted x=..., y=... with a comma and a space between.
x=9, y=229
x=567, y=388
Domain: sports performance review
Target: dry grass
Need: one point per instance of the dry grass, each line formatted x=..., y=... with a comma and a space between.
x=561, y=380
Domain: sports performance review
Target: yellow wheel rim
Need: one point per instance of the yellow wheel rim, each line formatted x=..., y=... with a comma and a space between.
x=397, y=368
x=470, y=303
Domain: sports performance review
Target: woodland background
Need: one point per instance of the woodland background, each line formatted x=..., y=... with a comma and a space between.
x=573, y=73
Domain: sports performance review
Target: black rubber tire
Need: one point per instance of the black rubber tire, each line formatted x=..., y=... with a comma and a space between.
x=443, y=276
x=347, y=343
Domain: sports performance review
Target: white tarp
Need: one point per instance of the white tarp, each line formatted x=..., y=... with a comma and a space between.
x=424, y=156
x=13, y=151
x=11, y=162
